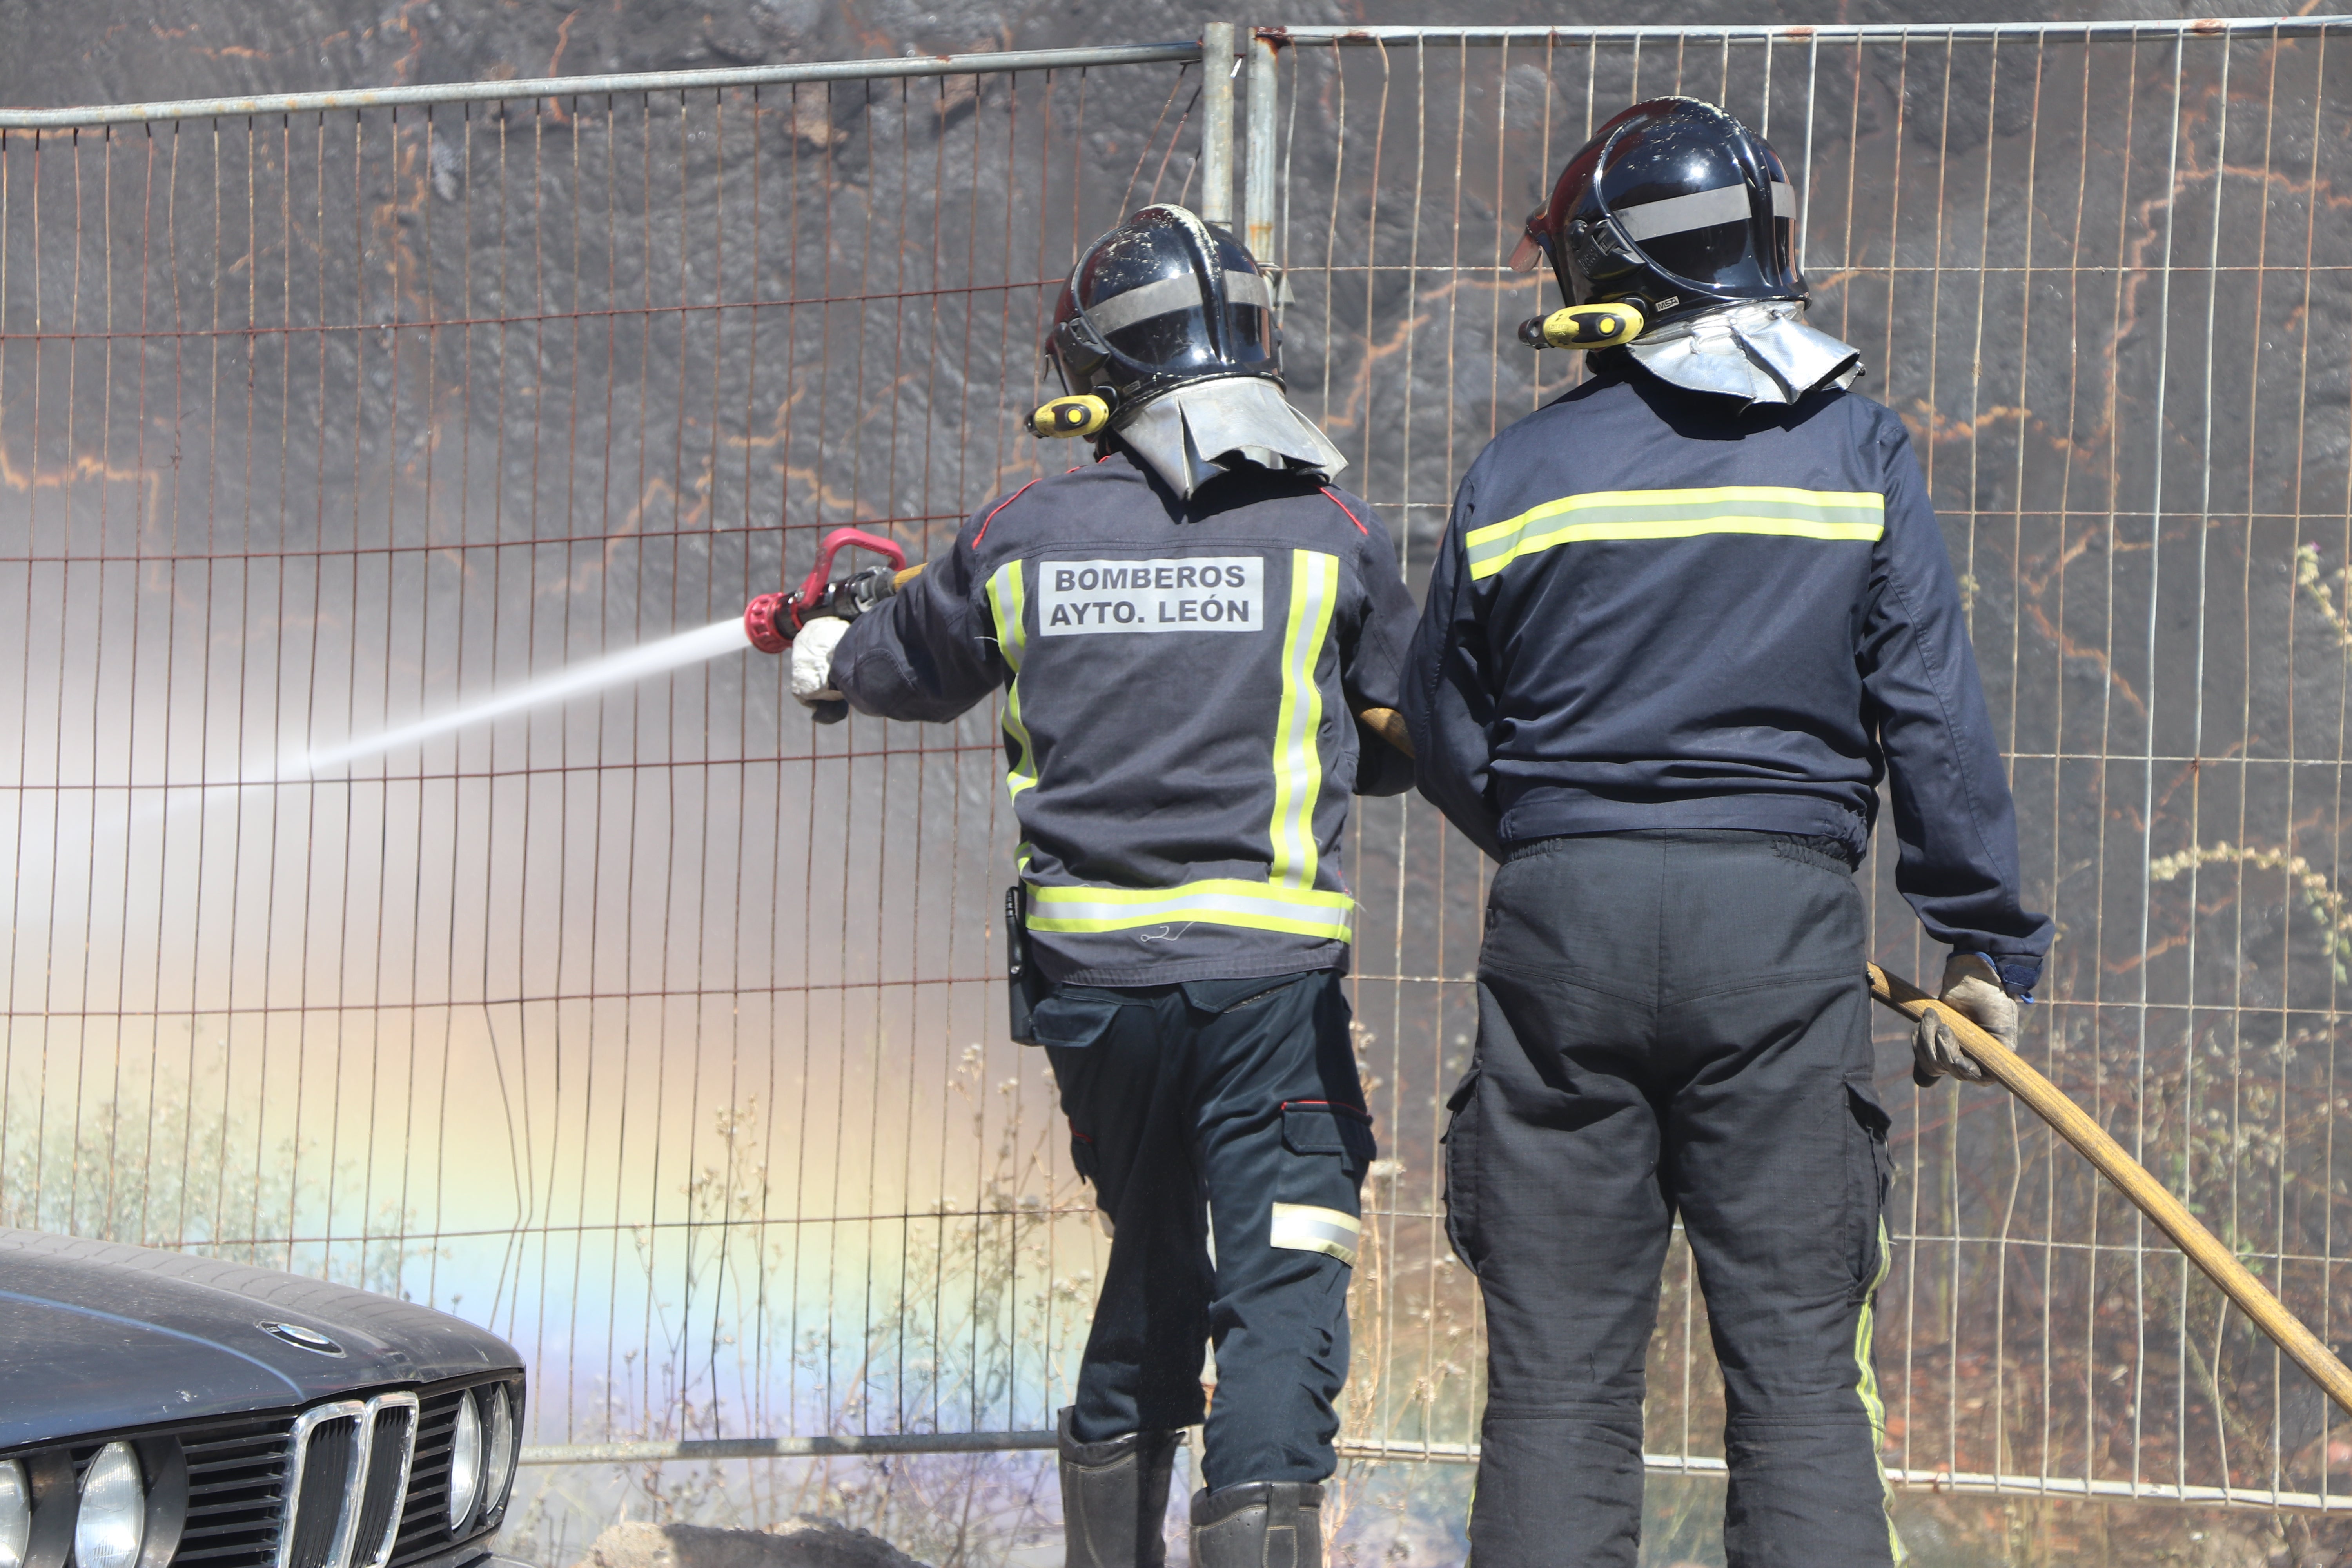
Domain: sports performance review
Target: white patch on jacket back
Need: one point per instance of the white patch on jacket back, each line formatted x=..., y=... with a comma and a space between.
x=1191, y=594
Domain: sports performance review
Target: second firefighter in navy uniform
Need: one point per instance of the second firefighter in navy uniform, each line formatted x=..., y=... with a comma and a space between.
x=1184, y=631
x=1684, y=621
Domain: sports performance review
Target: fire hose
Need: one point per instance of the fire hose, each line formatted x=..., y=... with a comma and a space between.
x=2076, y=1125
x=771, y=619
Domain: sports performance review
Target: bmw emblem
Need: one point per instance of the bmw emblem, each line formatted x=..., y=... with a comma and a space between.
x=302, y=1338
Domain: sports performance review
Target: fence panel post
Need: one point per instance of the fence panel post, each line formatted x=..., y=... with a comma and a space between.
x=1217, y=122
x=1257, y=148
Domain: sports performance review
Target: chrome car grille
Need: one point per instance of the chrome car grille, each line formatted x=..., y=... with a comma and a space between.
x=361, y=1482
x=425, y=1526
x=349, y=1476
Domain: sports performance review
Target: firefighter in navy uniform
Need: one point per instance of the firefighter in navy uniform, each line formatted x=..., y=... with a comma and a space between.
x=1186, y=629
x=1683, y=620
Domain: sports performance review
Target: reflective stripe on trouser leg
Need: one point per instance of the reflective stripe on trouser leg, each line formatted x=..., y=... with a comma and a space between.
x=1168, y=1100
x=1283, y=1167
x=1303, y=1227
x=1867, y=1387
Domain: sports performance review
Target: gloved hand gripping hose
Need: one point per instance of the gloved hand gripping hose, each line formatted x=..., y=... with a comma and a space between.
x=2073, y=1124
x=772, y=620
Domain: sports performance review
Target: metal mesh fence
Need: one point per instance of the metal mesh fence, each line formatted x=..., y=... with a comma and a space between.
x=2100, y=274
x=661, y=1031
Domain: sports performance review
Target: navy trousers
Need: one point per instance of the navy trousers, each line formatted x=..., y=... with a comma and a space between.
x=1674, y=1022
x=1231, y=1104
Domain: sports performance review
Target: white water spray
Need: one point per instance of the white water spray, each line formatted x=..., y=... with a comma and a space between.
x=615, y=669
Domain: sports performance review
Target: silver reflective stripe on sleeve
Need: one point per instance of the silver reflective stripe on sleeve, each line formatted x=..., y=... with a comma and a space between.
x=1303, y=1227
x=1180, y=294
x=1700, y=210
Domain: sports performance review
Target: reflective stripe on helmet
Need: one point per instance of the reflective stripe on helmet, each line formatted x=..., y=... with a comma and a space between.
x=1699, y=209
x=1254, y=906
x=1858, y=515
x=1249, y=288
x=1172, y=294
x=1163, y=298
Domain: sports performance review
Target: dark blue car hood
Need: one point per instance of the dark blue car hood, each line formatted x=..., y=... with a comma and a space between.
x=99, y=1337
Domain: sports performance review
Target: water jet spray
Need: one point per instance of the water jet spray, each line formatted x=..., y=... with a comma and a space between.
x=768, y=622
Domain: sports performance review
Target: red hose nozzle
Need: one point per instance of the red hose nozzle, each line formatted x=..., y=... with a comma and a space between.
x=765, y=620
x=771, y=620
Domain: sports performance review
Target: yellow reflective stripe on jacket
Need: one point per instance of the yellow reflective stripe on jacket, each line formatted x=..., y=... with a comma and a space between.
x=1297, y=760
x=1257, y=906
x=1008, y=601
x=1848, y=515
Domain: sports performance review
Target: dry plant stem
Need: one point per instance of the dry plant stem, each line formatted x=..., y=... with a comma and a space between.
x=2073, y=1124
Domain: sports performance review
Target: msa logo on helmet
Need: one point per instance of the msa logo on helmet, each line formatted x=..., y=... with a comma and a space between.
x=1197, y=594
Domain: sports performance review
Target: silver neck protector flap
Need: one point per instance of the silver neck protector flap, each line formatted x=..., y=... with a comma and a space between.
x=1760, y=352
x=1203, y=429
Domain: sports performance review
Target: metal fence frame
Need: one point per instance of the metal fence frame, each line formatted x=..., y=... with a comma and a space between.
x=1261, y=179
x=1803, y=43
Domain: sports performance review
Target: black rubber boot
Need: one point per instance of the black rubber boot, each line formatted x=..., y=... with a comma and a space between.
x=1265, y=1524
x=1115, y=1498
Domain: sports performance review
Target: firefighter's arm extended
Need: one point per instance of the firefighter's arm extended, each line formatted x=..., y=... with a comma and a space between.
x=1447, y=707
x=923, y=652
x=1955, y=823
x=1372, y=656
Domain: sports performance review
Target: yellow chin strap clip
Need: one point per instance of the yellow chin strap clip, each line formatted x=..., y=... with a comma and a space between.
x=1584, y=327
x=1084, y=415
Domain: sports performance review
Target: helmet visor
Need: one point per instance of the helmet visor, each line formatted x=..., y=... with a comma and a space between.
x=1710, y=237
x=1532, y=247
x=1164, y=326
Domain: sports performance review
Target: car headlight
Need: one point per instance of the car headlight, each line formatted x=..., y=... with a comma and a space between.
x=113, y=1520
x=465, y=1468
x=501, y=1440
x=16, y=1515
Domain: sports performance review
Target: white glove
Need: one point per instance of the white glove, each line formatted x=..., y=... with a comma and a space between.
x=1972, y=988
x=813, y=660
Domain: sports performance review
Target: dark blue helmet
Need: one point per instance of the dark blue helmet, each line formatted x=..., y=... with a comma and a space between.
x=1163, y=300
x=1674, y=207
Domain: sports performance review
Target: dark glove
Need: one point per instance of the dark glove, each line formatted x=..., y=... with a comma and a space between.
x=1972, y=988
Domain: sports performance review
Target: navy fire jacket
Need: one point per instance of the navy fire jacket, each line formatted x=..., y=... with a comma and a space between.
x=1653, y=611
x=1179, y=723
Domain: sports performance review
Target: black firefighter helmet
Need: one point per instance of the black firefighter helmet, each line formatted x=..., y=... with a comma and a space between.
x=1161, y=300
x=1674, y=207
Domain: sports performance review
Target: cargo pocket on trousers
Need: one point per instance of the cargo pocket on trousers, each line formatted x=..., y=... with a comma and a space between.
x=1460, y=1141
x=1073, y=1016
x=1328, y=1127
x=1870, y=1175
x=1315, y=1201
